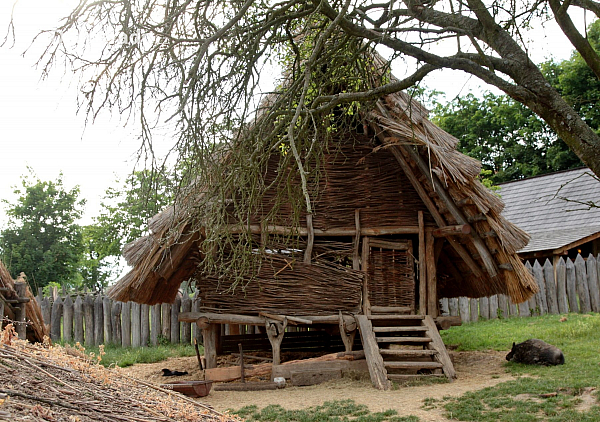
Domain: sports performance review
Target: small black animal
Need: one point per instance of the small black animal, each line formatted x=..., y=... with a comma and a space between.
x=536, y=352
x=169, y=373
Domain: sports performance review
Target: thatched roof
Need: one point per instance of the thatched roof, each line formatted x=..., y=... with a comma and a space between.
x=482, y=264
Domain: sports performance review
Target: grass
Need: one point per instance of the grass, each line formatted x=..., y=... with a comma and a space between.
x=127, y=356
x=331, y=411
x=520, y=401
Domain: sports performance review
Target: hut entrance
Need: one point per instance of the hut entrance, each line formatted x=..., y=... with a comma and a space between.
x=391, y=275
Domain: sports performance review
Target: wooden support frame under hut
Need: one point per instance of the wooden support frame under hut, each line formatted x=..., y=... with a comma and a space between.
x=399, y=219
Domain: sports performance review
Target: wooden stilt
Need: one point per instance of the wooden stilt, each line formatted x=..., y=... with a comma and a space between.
x=347, y=334
x=210, y=345
x=432, y=305
x=275, y=332
x=422, y=267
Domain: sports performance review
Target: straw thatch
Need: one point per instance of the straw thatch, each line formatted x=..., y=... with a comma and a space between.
x=361, y=172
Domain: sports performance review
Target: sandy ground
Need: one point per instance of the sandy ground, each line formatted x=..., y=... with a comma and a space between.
x=475, y=370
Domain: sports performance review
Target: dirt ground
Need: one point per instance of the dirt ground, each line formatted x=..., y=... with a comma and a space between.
x=475, y=370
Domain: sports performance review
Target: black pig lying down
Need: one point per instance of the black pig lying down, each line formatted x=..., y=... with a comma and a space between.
x=536, y=352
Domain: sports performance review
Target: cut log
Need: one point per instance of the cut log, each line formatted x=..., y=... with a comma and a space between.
x=308, y=377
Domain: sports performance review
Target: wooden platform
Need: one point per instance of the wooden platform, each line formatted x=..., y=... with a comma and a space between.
x=399, y=347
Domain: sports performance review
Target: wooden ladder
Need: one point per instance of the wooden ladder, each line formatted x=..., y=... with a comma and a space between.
x=400, y=347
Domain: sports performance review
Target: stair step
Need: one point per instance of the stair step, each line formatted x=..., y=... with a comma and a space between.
x=407, y=353
x=399, y=329
x=392, y=317
x=405, y=377
x=413, y=365
x=403, y=340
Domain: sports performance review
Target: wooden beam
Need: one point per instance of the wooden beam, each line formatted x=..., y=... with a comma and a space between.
x=422, y=267
x=486, y=257
x=334, y=232
x=459, y=230
x=356, y=249
x=389, y=244
x=432, y=303
x=438, y=344
x=221, y=318
x=377, y=369
x=366, y=250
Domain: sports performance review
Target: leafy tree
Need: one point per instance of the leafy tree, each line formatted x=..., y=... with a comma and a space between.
x=43, y=238
x=509, y=139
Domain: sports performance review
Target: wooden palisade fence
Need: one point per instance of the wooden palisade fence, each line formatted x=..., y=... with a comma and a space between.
x=95, y=319
x=570, y=287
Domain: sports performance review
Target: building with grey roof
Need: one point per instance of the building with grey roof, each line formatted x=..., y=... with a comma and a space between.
x=560, y=211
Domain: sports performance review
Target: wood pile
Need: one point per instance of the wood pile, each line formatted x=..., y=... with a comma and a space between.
x=45, y=383
x=36, y=329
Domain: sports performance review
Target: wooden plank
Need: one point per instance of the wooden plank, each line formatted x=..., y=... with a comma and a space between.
x=592, y=274
x=474, y=309
x=458, y=230
x=551, y=296
x=561, y=286
x=512, y=308
x=285, y=370
x=126, y=324
x=412, y=365
x=310, y=239
x=390, y=244
x=145, y=325
x=532, y=304
x=175, y=333
x=20, y=311
x=186, y=328
x=165, y=316
x=444, y=306
x=394, y=317
x=438, y=345
x=399, y=329
x=55, y=324
x=463, y=309
x=98, y=320
x=403, y=339
x=77, y=320
x=68, y=319
x=136, y=325
x=524, y=310
x=247, y=386
x=390, y=309
x=409, y=377
x=155, y=326
x=225, y=318
x=484, y=307
x=541, y=297
x=422, y=266
x=88, y=319
x=493, y=307
x=453, y=306
x=432, y=299
x=46, y=311
x=356, y=242
x=366, y=251
x=308, y=377
x=115, y=315
x=503, y=306
x=106, y=308
x=582, y=285
x=412, y=353
x=571, y=286
x=373, y=357
x=334, y=232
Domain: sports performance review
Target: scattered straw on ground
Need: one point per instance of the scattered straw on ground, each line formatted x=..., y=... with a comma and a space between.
x=52, y=383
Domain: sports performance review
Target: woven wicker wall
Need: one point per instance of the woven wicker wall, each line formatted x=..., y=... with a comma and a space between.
x=391, y=278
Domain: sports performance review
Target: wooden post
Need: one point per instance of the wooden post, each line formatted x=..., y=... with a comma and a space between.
x=432, y=300
x=186, y=328
x=356, y=241
x=165, y=309
x=310, y=239
x=512, y=308
x=68, y=319
x=445, y=306
x=78, y=321
x=592, y=274
x=463, y=308
x=115, y=314
x=346, y=333
x=46, y=310
x=20, y=312
x=551, y=298
x=524, y=310
x=484, y=307
x=55, y=324
x=210, y=345
x=582, y=285
x=561, y=287
x=422, y=267
x=98, y=320
x=155, y=329
x=175, y=334
x=366, y=249
x=88, y=319
x=541, y=297
x=106, y=308
x=196, y=331
x=474, y=305
x=145, y=325
x=275, y=332
x=571, y=286
x=453, y=306
x=503, y=306
x=126, y=324
x=136, y=325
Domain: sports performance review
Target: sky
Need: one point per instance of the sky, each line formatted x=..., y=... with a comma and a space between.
x=40, y=127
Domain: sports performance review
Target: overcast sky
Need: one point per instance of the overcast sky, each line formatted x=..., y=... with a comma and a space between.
x=40, y=128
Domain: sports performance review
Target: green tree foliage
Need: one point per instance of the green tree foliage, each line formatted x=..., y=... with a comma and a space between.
x=43, y=238
x=508, y=138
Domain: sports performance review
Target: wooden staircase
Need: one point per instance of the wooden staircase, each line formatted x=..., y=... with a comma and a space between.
x=400, y=347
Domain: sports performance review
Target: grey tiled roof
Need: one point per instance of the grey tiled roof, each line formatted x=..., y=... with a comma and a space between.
x=551, y=208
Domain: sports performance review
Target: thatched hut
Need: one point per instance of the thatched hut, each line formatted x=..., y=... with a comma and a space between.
x=399, y=220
